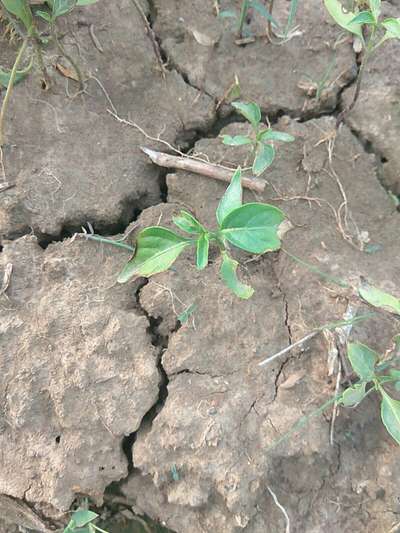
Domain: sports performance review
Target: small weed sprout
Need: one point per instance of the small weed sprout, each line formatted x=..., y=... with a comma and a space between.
x=82, y=522
x=363, y=22
x=261, y=139
x=252, y=227
x=23, y=18
x=242, y=16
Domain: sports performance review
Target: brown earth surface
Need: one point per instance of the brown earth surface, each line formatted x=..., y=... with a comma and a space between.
x=102, y=391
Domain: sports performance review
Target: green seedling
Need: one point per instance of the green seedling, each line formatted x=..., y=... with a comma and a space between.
x=82, y=522
x=260, y=140
x=242, y=15
x=252, y=227
x=364, y=362
x=372, y=31
x=24, y=18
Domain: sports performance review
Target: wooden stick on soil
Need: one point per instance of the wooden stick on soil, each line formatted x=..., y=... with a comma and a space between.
x=198, y=167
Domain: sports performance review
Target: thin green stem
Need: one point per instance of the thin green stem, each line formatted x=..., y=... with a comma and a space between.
x=242, y=17
x=316, y=270
x=118, y=244
x=10, y=86
x=63, y=52
x=304, y=420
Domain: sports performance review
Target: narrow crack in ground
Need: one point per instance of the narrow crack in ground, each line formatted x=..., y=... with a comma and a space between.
x=161, y=343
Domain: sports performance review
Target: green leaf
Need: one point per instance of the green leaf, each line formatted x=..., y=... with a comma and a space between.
x=61, y=7
x=43, y=15
x=264, y=157
x=82, y=517
x=343, y=18
x=378, y=298
x=6, y=74
x=203, y=243
x=228, y=275
x=187, y=313
x=271, y=135
x=375, y=7
x=156, y=249
x=86, y=2
x=392, y=27
x=362, y=359
x=250, y=111
x=21, y=10
x=394, y=373
x=253, y=227
x=186, y=222
x=352, y=396
x=232, y=198
x=390, y=413
x=237, y=140
x=364, y=17
x=263, y=11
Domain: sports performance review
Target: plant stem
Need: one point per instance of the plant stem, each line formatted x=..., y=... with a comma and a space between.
x=269, y=27
x=369, y=49
x=10, y=86
x=39, y=56
x=119, y=244
x=242, y=17
x=63, y=52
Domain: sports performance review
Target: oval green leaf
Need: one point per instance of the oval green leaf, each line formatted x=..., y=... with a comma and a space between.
x=264, y=156
x=390, y=413
x=21, y=74
x=253, y=227
x=21, y=10
x=362, y=359
x=352, y=396
x=271, y=135
x=343, y=18
x=250, y=111
x=186, y=222
x=378, y=298
x=232, y=199
x=392, y=27
x=365, y=17
x=82, y=517
x=156, y=250
x=236, y=140
x=229, y=276
x=203, y=244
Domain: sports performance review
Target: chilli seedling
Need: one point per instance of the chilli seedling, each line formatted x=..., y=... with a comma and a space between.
x=252, y=227
x=82, y=522
x=370, y=30
x=260, y=140
x=364, y=362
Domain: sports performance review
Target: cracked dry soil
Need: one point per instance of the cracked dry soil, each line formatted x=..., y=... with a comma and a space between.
x=98, y=383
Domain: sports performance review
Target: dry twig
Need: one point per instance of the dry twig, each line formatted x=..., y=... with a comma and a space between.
x=199, y=167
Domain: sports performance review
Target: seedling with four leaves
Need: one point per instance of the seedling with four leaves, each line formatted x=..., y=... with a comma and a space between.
x=260, y=140
x=252, y=227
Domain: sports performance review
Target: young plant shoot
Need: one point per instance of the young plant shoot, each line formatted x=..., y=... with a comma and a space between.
x=260, y=140
x=370, y=29
x=23, y=18
x=82, y=522
x=364, y=362
x=252, y=227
